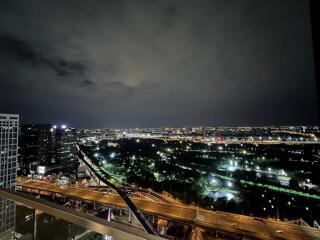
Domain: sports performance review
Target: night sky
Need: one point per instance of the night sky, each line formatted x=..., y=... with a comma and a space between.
x=157, y=63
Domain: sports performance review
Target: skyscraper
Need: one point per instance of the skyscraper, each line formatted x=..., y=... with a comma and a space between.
x=65, y=140
x=44, y=148
x=9, y=124
x=35, y=146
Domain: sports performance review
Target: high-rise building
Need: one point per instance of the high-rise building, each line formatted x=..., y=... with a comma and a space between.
x=44, y=148
x=9, y=125
x=65, y=140
x=35, y=146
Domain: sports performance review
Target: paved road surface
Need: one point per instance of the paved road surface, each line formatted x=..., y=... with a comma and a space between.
x=234, y=223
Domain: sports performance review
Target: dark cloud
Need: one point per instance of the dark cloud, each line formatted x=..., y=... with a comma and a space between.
x=65, y=68
x=15, y=48
x=24, y=53
x=88, y=82
x=157, y=63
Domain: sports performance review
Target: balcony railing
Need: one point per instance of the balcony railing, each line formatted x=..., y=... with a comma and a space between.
x=108, y=230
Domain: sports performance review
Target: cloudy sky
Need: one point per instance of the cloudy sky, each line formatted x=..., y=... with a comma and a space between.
x=157, y=63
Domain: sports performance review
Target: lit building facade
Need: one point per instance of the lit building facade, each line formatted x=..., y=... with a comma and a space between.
x=9, y=125
x=65, y=140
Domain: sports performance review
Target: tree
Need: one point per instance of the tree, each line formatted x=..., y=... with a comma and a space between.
x=293, y=183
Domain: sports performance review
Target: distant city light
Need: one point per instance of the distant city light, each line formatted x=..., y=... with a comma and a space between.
x=108, y=237
x=138, y=140
x=112, y=155
x=229, y=196
x=231, y=168
x=54, y=126
x=96, y=155
x=63, y=126
x=229, y=184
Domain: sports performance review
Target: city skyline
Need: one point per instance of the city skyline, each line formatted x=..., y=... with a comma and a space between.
x=119, y=64
x=159, y=119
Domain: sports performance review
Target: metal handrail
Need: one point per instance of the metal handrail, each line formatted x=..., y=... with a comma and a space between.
x=116, y=230
x=139, y=216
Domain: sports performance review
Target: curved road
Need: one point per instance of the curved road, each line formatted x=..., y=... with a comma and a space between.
x=139, y=216
x=233, y=223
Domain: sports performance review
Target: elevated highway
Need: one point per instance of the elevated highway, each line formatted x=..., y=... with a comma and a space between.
x=237, y=224
x=144, y=223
